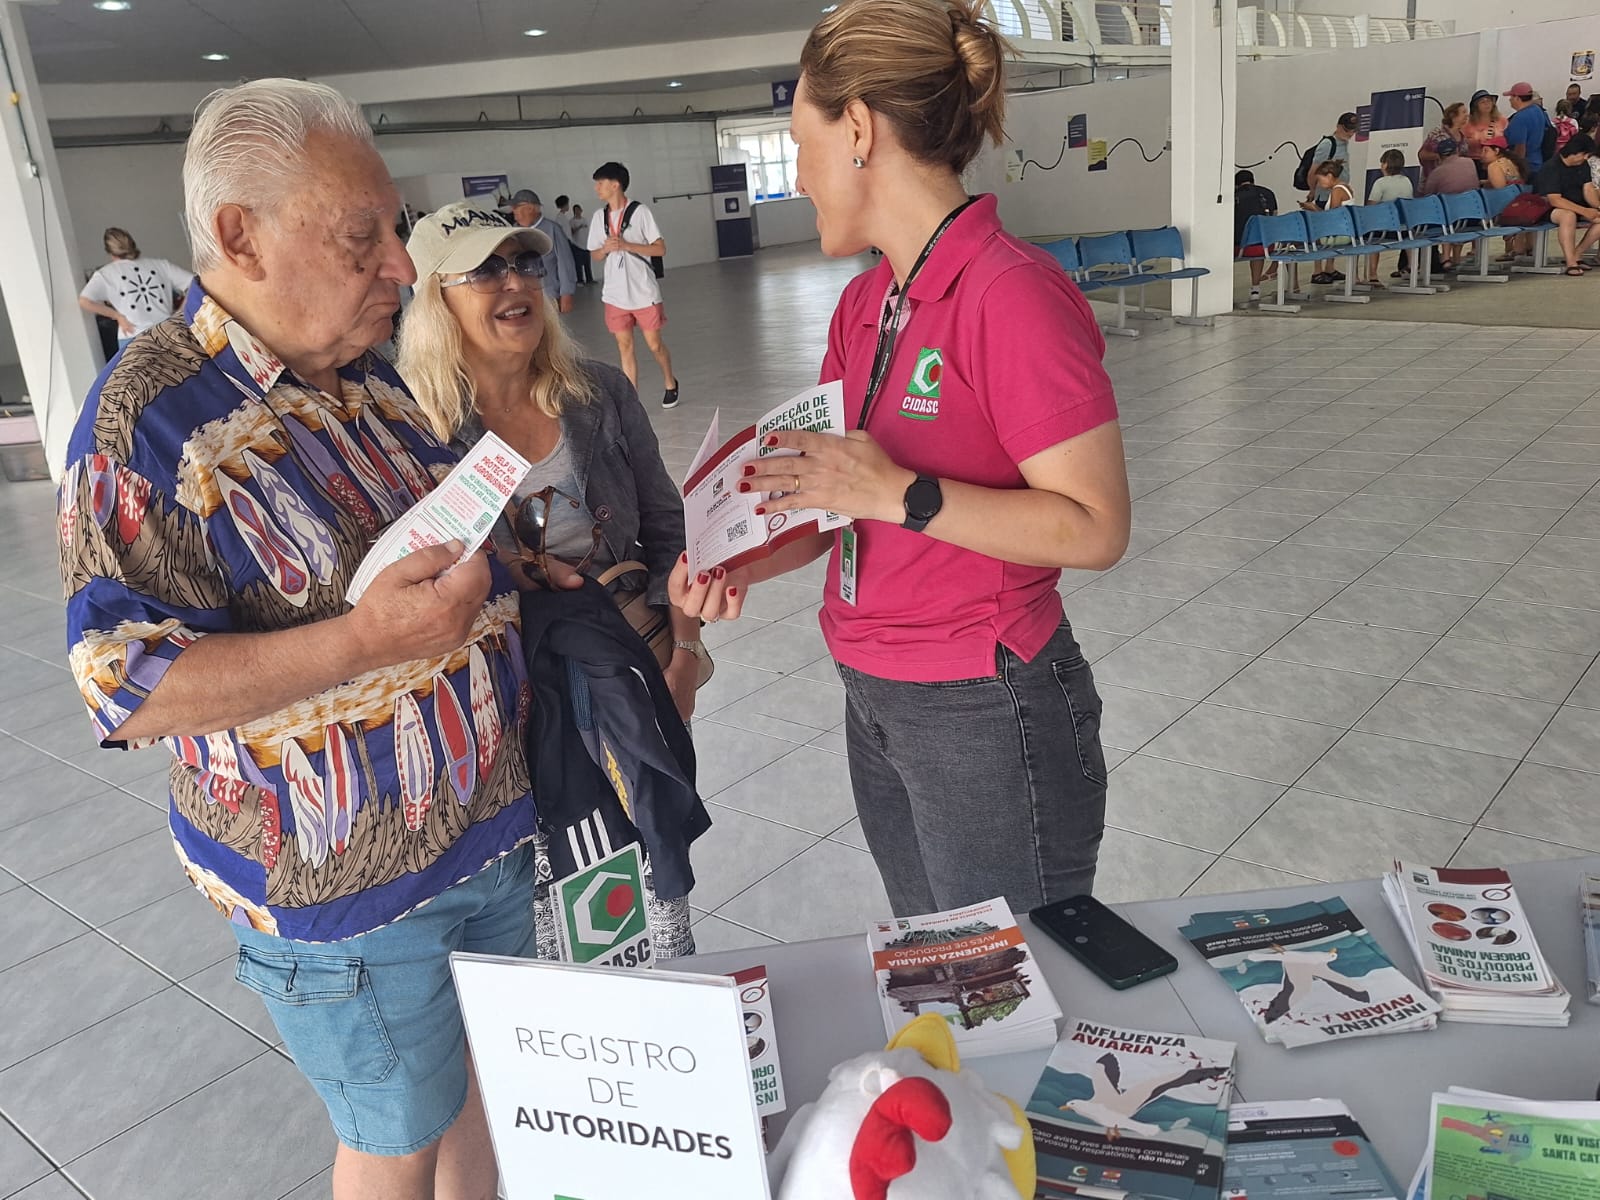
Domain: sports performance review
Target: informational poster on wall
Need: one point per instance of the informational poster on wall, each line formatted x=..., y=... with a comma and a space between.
x=1099, y=160
x=1363, y=122
x=485, y=185
x=605, y=1084
x=1016, y=163
x=1582, y=66
x=1398, y=123
x=1077, y=131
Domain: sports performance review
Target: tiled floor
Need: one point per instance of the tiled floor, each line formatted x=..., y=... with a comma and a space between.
x=1359, y=617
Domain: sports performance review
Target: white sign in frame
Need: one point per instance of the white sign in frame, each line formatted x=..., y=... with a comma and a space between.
x=608, y=1084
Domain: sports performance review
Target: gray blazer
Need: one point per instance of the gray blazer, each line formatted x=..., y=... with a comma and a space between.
x=624, y=482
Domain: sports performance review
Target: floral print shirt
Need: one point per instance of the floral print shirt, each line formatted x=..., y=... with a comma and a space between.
x=208, y=490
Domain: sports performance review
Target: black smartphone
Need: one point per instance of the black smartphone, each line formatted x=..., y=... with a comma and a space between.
x=1103, y=941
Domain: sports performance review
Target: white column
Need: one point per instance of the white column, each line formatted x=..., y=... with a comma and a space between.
x=1204, y=55
x=39, y=270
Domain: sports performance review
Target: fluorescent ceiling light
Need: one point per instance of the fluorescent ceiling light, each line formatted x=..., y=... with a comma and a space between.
x=112, y=5
x=534, y=32
x=215, y=57
x=676, y=83
x=830, y=8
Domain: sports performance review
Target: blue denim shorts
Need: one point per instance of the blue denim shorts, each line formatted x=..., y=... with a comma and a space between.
x=372, y=1021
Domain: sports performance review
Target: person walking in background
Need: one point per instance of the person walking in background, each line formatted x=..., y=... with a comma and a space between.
x=1483, y=121
x=527, y=212
x=1394, y=184
x=1524, y=132
x=972, y=723
x=624, y=237
x=578, y=230
x=134, y=291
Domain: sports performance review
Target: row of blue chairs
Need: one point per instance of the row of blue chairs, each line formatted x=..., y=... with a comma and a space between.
x=1415, y=225
x=1130, y=259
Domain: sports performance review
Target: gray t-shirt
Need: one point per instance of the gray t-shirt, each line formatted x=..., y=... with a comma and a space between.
x=570, y=527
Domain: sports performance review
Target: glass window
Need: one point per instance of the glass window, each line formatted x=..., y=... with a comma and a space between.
x=772, y=162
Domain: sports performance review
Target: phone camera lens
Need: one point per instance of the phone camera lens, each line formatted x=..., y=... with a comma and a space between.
x=1081, y=940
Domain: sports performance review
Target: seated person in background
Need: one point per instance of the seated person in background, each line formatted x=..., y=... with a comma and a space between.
x=1453, y=174
x=1327, y=177
x=1250, y=199
x=1393, y=184
x=1506, y=169
x=1589, y=123
x=1565, y=182
x=1566, y=123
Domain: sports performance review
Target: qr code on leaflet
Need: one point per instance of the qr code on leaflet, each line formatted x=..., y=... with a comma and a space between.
x=738, y=530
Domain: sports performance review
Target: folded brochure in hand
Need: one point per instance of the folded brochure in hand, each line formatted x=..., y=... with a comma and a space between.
x=1475, y=945
x=463, y=508
x=1126, y=1112
x=1310, y=973
x=721, y=522
x=972, y=967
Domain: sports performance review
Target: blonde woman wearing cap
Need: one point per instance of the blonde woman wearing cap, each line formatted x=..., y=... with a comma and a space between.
x=971, y=718
x=483, y=349
x=134, y=291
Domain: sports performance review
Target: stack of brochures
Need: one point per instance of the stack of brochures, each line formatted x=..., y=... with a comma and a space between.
x=1299, y=1149
x=1125, y=1112
x=972, y=967
x=1590, y=901
x=1310, y=973
x=1475, y=946
x=1486, y=1144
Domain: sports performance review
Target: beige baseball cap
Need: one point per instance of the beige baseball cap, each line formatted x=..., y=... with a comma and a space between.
x=454, y=239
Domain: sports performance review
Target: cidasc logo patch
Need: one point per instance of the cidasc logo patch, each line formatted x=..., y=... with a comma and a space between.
x=922, y=392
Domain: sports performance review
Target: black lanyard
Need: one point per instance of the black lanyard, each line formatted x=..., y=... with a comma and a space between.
x=889, y=322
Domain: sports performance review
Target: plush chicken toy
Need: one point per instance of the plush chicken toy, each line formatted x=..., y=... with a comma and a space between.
x=906, y=1124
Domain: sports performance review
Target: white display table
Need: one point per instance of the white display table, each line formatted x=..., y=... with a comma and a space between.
x=825, y=1012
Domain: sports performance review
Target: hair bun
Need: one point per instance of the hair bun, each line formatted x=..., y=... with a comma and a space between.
x=982, y=55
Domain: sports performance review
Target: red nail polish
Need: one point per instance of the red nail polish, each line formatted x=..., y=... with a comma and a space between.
x=702, y=579
x=733, y=591
x=772, y=440
x=720, y=573
x=684, y=557
x=761, y=510
x=743, y=486
x=749, y=470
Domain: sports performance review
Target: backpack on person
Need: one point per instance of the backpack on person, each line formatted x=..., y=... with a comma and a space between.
x=658, y=264
x=1310, y=160
x=1547, y=147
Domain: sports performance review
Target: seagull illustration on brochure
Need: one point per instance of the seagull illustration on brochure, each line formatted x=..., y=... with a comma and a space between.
x=1115, y=1108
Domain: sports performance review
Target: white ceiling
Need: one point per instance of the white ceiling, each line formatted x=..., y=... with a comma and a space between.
x=158, y=40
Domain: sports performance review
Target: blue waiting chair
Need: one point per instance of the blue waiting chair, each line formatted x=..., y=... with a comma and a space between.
x=1424, y=217
x=1379, y=227
x=1107, y=262
x=1538, y=264
x=1468, y=214
x=1152, y=246
x=1334, y=230
x=1064, y=251
x=1284, y=240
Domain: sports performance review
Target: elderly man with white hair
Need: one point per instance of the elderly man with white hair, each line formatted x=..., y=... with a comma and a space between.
x=348, y=785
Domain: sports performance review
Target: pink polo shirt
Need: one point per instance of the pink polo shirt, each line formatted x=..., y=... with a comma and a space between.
x=998, y=360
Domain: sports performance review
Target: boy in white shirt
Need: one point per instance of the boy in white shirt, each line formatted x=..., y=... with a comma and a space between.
x=1393, y=184
x=624, y=237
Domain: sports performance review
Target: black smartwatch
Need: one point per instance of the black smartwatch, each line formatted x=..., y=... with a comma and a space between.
x=923, y=502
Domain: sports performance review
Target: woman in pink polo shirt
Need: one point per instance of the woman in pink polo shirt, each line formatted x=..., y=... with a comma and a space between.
x=985, y=456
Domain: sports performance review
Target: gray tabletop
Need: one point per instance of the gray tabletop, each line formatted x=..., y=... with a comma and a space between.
x=825, y=1012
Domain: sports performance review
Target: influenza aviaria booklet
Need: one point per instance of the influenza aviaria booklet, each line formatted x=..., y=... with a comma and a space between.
x=1310, y=973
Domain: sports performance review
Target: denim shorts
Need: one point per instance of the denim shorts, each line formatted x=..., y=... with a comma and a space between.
x=372, y=1021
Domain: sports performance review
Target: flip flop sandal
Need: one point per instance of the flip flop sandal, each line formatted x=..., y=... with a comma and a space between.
x=1576, y=271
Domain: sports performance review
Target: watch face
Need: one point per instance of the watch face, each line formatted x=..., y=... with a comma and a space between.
x=923, y=499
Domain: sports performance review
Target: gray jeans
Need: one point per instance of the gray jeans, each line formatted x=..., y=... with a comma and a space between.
x=981, y=787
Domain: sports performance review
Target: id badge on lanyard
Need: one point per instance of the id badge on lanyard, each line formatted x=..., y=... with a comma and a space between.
x=894, y=317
